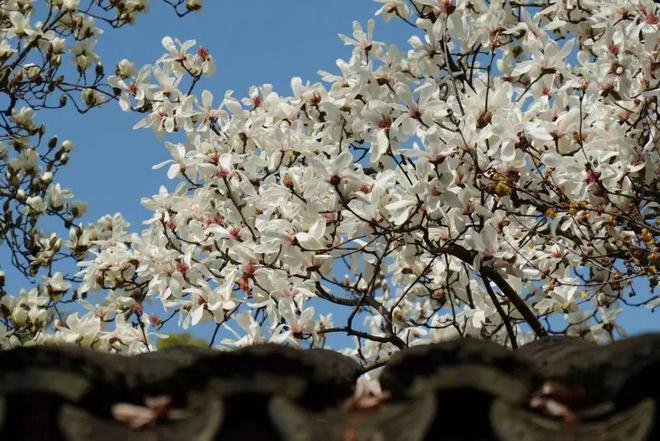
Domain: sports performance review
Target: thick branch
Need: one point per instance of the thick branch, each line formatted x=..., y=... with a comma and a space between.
x=502, y=314
x=490, y=272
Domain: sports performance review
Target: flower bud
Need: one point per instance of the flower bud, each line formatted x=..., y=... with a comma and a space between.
x=194, y=5
x=78, y=208
x=38, y=317
x=23, y=116
x=46, y=178
x=36, y=204
x=57, y=45
x=125, y=69
x=19, y=316
x=99, y=70
x=68, y=145
x=82, y=61
x=33, y=72
x=89, y=97
x=70, y=5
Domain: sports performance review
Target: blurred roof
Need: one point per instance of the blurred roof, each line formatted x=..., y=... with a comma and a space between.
x=557, y=388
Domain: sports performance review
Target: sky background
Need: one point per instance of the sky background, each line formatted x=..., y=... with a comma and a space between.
x=256, y=42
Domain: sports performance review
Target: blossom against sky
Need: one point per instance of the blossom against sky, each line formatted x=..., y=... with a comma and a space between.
x=380, y=124
x=252, y=43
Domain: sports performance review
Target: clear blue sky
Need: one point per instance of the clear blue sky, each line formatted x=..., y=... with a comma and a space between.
x=256, y=42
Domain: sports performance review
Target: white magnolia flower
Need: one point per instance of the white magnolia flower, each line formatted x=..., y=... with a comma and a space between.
x=518, y=142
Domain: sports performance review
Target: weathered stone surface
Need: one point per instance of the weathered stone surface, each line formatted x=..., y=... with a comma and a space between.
x=621, y=372
x=518, y=424
x=201, y=424
x=552, y=389
x=319, y=377
x=403, y=421
x=461, y=364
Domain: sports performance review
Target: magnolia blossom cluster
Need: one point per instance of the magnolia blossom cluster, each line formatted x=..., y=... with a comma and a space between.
x=48, y=61
x=497, y=178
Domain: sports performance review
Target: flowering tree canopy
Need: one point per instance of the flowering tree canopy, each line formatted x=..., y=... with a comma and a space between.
x=496, y=179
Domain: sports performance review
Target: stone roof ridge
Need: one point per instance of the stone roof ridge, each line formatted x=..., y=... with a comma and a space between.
x=556, y=388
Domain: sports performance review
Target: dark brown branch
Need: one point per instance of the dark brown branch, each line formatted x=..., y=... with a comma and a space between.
x=502, y=314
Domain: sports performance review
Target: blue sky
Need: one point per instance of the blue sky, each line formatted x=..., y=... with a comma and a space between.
x=257, y=42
